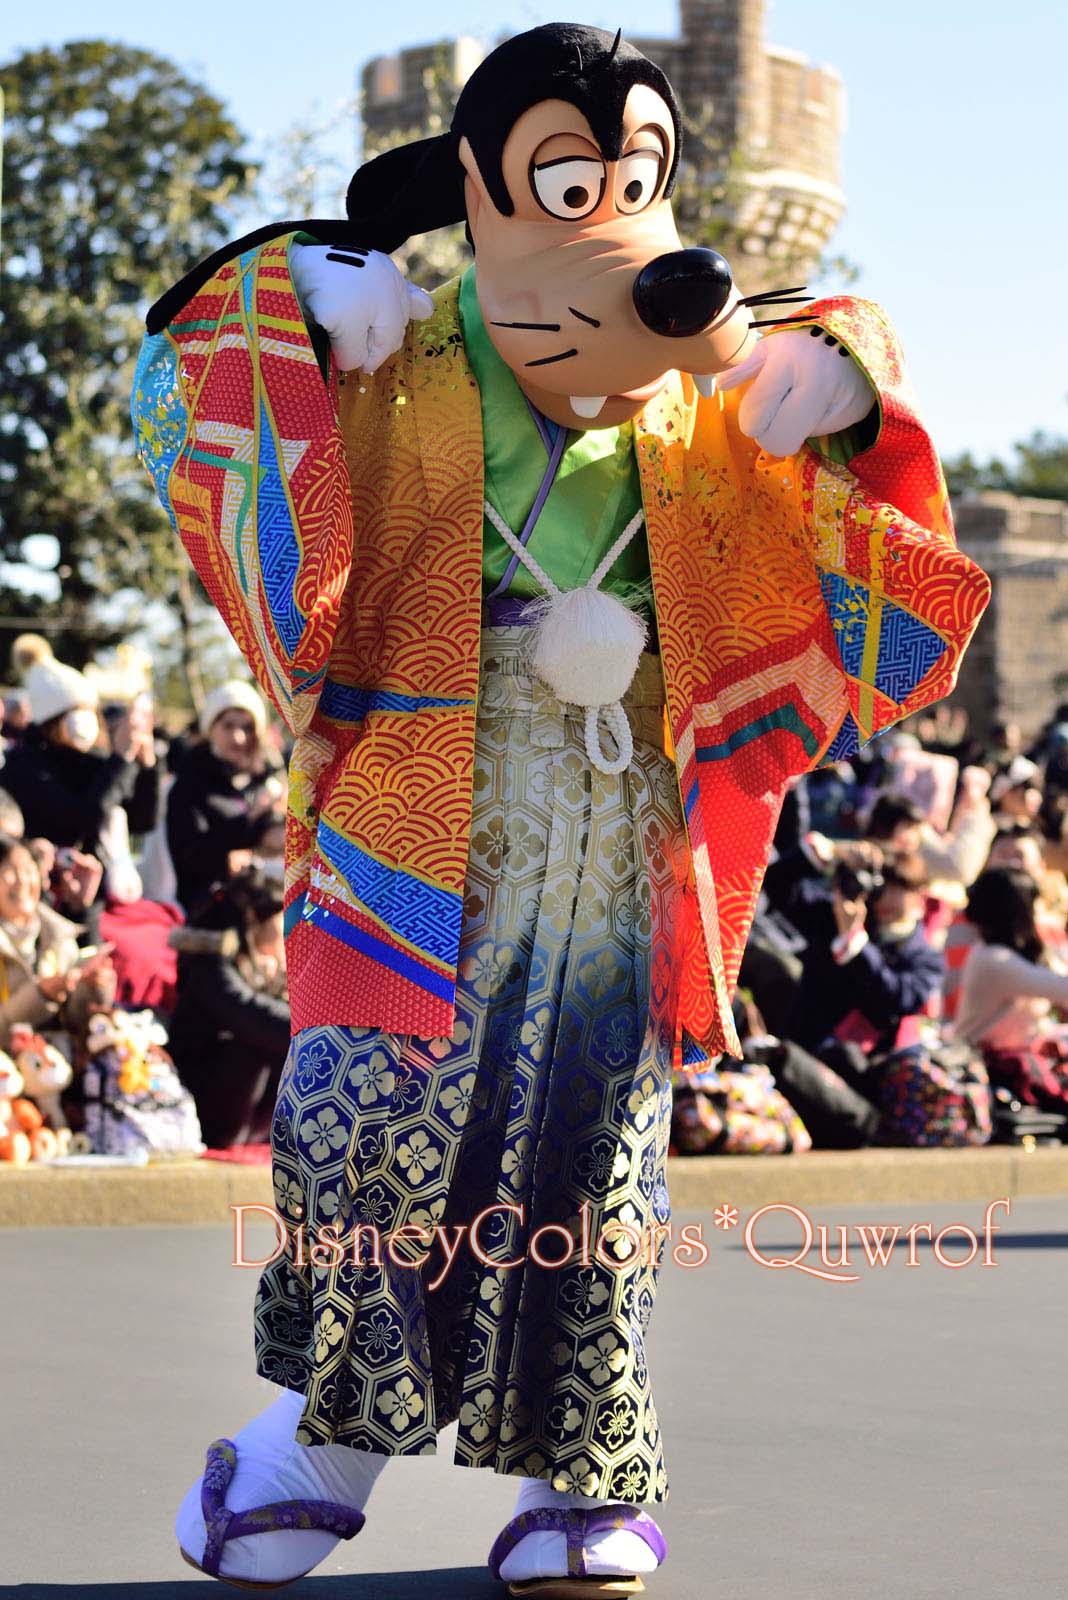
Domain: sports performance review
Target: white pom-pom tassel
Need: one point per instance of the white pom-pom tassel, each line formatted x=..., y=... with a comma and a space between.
x=586, y=646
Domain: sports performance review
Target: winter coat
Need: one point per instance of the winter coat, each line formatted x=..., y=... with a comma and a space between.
x=20, y=998
x=885, y=981
x=67, y=795
x=208, y=815
x=228, y=1039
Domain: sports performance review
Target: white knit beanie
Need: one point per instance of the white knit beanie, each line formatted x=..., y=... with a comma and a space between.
x=237, y=695
x=54, y=688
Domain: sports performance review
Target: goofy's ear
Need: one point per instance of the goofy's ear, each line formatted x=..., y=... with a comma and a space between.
x=411, y=189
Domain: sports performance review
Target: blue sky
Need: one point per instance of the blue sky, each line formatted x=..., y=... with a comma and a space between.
x=955, y=154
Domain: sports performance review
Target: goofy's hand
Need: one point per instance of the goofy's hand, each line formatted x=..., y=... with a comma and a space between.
x=360, y=299
x=807, y=385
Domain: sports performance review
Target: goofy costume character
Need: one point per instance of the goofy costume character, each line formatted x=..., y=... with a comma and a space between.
x=538, y=764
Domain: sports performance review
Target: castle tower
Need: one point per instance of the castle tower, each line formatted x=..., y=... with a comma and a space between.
x=760, y=176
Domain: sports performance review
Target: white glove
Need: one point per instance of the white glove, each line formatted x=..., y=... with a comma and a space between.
x=360, y=298
x=808, y=385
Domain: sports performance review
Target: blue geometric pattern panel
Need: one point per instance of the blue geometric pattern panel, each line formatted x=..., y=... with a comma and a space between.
x=907, y=651
x=847, y=607
x=425, y=915
x=846, y=742
x=277, y=540
x=343, y=702
x=160, y=420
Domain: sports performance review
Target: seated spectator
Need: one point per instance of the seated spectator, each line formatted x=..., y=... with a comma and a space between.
x=1010, y=985
x=1004, y=743
x=810, y=863
x=12, y=822
x=45, y=980
x=230, y=1033
x=70, y=791
x=1016, y=792
x=226, y=797
x=16, y=718
x=1015, y=848
x=832, y=795
x=955, y=857
x=1039, y=750
x=868, y=964
x=1053, y=825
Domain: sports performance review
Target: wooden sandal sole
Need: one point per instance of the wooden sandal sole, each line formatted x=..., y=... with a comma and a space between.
x=239, y=1583
x=597, y=1588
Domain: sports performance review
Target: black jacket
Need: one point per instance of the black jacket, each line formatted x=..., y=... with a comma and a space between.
x=885, y=982
x=66, y=795
x=229, y=1042
x=207, y=817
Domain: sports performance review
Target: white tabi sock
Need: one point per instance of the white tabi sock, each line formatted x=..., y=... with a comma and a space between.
x=544, y=1555
x=270, y=1467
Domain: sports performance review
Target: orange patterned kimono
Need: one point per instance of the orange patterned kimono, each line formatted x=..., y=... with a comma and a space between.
x=337, y=526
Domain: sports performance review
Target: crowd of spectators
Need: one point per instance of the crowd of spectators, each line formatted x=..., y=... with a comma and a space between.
x=141, y=873
x=916, y=901
x=916, y=895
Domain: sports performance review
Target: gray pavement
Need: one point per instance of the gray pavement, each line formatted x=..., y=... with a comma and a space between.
x=900, y=1437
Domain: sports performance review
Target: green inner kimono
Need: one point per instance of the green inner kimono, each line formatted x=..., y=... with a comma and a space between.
x=595, y=493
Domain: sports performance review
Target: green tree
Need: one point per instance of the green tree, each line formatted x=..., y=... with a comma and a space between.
x=119, y=174
x=1040, y=469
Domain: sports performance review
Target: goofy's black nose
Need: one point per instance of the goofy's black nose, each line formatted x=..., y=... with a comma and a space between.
x=682, y=292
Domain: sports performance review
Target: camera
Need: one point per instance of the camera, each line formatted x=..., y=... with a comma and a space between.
x=857, y=883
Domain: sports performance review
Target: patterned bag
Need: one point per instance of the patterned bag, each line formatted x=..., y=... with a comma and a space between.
x=933, y=1093
x=725, y=1112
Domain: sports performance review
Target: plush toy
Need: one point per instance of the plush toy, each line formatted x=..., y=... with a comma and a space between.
x=558, y=578
x=23, y=1134
x=135, y=1040
x=46, y=1073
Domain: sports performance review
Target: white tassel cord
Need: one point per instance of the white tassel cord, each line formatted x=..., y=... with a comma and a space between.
x=616, y=719
x=586, y=645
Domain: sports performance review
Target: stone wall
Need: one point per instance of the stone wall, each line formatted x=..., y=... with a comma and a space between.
x=1016, y=669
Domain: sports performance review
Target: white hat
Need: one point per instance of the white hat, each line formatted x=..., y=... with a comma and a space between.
x=54, y=688
x=1019, y=772
x=237, y=695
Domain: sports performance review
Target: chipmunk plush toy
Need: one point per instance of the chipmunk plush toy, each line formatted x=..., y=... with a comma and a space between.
x=46, y=1072
x=558, y=577
x=23, y=1134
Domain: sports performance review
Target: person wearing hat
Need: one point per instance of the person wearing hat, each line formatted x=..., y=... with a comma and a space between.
x=227, y=797
x=1016, y=792
x=69, y=786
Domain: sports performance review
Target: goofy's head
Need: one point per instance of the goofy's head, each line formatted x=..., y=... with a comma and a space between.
x=561, y=159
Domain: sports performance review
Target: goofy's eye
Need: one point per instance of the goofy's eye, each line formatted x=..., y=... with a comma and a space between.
x=637, y=178
x=570, y=188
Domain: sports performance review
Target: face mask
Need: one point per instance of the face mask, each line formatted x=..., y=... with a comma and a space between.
x=82, y=728
x=897, y=932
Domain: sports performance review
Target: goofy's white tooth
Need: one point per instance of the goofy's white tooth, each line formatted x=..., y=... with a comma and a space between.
x=587, y=405
x=705, y=383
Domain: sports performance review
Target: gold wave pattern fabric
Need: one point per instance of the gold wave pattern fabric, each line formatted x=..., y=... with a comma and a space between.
x=801, y=607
